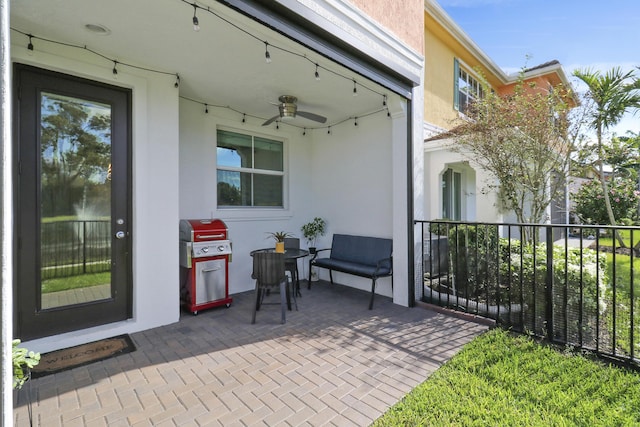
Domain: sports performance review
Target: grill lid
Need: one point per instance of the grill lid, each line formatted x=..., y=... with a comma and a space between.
x=202, y=230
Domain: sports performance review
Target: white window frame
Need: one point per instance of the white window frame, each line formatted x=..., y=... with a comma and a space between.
x=253, y=171
x=472, y=81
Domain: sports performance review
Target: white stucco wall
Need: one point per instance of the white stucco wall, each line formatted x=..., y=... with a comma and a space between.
x=478, y=204
x=155, y=177
x=344, y=177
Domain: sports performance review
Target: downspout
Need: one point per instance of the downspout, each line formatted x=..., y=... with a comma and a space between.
x=6, y=220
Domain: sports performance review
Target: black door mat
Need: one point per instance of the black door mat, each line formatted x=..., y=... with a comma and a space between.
x=83, y=354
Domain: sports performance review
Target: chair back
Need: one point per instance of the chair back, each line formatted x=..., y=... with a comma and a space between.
x=291, y=243
x=268, y=268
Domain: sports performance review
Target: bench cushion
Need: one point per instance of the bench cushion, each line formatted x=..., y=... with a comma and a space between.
x=361, y=250
x=352, y=267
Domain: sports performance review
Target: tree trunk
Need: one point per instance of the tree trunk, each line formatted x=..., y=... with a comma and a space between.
x=607, y=201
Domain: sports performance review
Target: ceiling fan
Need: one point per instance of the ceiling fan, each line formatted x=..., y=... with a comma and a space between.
x=289, y=110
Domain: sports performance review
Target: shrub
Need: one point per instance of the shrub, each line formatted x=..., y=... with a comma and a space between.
x=590, y=206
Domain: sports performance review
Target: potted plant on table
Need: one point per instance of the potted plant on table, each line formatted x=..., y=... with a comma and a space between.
x=279, y=237
x=312, y=230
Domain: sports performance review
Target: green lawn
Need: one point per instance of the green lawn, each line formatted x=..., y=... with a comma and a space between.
x=505, y=380
x=74, y=282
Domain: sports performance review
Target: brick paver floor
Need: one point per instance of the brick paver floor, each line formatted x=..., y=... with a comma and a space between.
x=334, y=363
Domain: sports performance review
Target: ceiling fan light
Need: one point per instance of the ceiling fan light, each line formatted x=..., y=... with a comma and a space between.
x=288, y=110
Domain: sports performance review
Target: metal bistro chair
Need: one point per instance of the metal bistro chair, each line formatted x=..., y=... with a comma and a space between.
x=291, y=265
x=269, y=272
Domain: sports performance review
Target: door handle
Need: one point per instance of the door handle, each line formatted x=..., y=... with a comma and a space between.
x=120, y=235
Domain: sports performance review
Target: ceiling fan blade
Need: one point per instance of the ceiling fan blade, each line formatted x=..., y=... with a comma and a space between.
x=268, y=122
x=312, y=116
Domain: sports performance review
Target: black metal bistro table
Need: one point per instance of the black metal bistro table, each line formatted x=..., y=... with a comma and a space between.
x=290, y=254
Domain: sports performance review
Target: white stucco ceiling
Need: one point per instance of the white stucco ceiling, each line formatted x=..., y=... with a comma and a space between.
x=219, y=64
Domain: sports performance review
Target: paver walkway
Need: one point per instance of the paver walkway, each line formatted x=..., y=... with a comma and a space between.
x=334, y=363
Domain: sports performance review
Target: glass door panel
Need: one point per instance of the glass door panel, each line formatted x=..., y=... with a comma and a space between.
x=75, y=216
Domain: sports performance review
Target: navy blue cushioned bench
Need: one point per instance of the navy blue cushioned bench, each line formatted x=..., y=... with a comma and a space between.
x=362, y=256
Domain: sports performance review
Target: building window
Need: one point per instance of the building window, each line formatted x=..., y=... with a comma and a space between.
x=452, y=195
x=467, y=88
x=250, y=170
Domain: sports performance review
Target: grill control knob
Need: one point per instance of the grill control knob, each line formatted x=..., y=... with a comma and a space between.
x=205, y=249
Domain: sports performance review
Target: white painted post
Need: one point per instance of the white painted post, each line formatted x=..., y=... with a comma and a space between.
x=6, y=219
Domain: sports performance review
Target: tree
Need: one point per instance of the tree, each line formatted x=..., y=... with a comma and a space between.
x=75, y=152
x=520, y=138
x=613, y=94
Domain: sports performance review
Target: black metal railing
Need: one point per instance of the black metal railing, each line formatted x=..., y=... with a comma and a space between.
x=74, y=247
x=571, y=284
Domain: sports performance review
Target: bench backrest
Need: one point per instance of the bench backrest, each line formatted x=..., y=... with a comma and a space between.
x=360, y=249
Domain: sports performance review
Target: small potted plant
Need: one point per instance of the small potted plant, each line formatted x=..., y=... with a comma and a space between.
x=23, y=361
x=279, y=237
x=312, y=230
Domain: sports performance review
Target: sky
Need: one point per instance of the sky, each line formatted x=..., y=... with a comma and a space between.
x=581, y=34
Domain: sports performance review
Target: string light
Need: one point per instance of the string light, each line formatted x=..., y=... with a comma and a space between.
x=30, y=45
x=317, y=73
x=196, y=23
x=355, y=89
x=384, y=100
x=267, y=55
x=244, y=117
x=304, y=129
x=355, y=121
x=206, y=109
x=177, y=83
x=115, y=69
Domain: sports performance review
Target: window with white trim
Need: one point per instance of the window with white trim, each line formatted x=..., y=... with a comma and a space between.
x=467, y=88
x=250, y=170
x=452, y=195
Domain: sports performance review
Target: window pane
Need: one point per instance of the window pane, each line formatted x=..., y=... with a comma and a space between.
x=457, y=196
x=267, y=190
x=268, y=154
x=234, y=149
x=234, y=188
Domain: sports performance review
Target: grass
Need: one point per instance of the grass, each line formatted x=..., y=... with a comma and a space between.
x=504, y=380
x=75, y=282
x=626, y=238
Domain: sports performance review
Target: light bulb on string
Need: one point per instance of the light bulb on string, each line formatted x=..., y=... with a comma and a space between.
x=206, y=109
x=317, y=74
x=384, y=100
x=244, y=118
x=30, y=45
x=277, y=125
x=355, y=89
x=196, y=23
x=355, y=121
x=177, y=83
x=267, y=55
x=304, y=131
x=329, y=130
x=115, y=69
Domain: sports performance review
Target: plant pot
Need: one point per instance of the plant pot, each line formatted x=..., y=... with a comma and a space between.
x=280, y=247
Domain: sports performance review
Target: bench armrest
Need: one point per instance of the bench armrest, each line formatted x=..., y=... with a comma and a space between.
x=384, y=260
x=317, y=252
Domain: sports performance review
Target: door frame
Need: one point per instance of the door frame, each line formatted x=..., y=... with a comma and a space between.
x=30, y=321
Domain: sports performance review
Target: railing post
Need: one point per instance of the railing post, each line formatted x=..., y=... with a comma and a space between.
x=84, y=247
x=549, y=285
